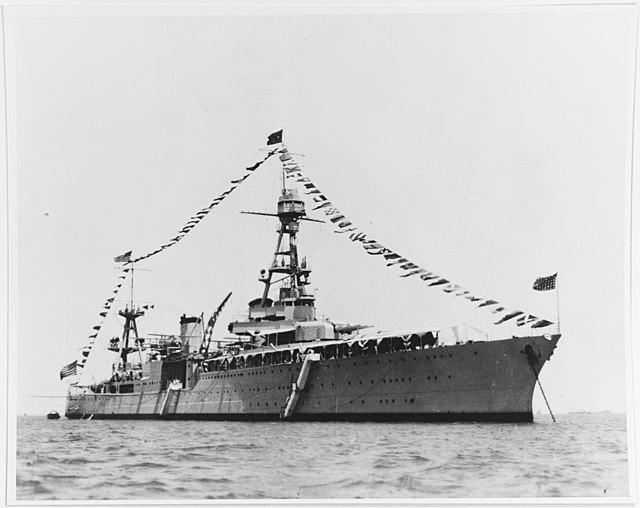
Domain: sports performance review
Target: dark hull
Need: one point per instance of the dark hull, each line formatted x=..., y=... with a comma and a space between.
x=525, y=417
x=481, y=381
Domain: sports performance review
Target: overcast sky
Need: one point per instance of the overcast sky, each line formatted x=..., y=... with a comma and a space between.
x=490, y=146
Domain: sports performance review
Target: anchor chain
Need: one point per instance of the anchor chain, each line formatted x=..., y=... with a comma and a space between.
x=531, y=357
x=545, y=399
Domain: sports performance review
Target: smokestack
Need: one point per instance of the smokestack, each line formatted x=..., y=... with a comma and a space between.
x=190, y=332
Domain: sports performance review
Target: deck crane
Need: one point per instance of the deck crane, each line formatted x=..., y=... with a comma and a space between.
x=206, y=338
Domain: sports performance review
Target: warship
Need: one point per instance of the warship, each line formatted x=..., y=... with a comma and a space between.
x=285, y=363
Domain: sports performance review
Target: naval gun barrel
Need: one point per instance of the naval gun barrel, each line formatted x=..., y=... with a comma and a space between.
x=349, y=328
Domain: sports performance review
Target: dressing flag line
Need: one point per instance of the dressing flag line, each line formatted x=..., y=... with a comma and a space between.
x=123, y=258
x=275, y=138
x=198, y=216
x=293, y=171
x=126, y=258
x=545, y=283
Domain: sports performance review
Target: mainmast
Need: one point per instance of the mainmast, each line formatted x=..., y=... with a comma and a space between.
x=130, y=314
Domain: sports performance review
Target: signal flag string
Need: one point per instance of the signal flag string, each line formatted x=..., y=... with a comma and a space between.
x=126, y=258
x=343, y=225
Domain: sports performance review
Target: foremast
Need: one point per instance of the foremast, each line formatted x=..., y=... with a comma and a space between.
x=291, y=315
x=285, y=260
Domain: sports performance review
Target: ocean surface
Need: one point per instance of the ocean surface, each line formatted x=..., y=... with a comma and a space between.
x=581, y=455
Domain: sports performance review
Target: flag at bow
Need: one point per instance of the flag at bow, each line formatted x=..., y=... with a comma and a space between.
x=69, y=370
x=545, y=283
x=275, y=138
x=123, y=258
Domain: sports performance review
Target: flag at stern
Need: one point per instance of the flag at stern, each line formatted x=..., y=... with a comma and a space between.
x=69, y=370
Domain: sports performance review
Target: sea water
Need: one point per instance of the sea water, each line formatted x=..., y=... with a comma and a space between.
x=581, y=455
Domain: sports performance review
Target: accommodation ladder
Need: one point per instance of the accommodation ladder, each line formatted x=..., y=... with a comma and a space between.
x=298, y=385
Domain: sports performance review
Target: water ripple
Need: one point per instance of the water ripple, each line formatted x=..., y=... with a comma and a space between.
x=581, y=455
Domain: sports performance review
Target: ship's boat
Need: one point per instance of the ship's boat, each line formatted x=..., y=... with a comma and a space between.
x=53, y=415
x=284, y=363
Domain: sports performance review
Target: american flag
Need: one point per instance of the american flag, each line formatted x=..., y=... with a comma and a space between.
x=123, y=258
x=69, y=370
x=545, y=283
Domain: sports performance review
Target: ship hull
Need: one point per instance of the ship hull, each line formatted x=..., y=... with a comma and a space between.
x=480, y=381
x=524, y=417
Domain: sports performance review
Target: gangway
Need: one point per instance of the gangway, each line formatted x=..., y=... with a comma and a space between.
x=174, y=387
x=298, y=385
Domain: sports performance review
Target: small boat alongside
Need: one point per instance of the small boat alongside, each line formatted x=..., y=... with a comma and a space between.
x=53, y=415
